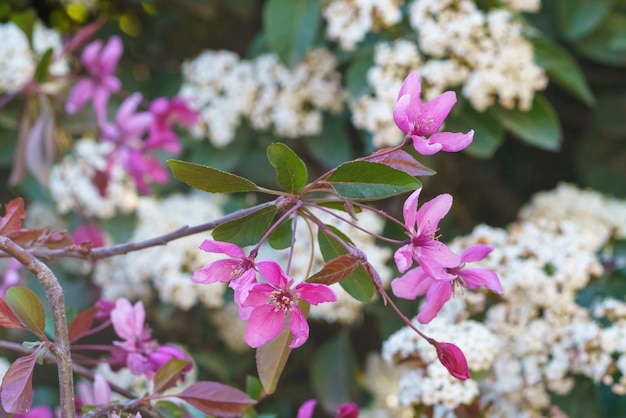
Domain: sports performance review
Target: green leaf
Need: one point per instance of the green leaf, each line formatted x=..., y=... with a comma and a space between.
x=333, y=372
x=281, y=237
x=600, y=45
x=561, y=68
x=291, y=27
x=364, y=180
x=209, y=179
x=539, y=126
x=333, y=144
x=291, y=171
x=582, y=401
x=358, y=284
x=335, y=270
x=254, y=388
x=247, y=230
x=168, y=375
x=41, y=72
x=578, y=18
x=28, y=308
x=272, y=357
x=356, y=77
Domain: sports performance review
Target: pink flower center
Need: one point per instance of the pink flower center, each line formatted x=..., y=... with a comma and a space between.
x=282, y=301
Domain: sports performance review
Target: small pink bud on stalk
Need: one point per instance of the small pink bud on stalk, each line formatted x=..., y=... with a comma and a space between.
x=453, y=359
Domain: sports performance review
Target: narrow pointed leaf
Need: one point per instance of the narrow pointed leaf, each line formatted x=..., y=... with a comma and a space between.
x=254, y=388
x=41, y=72
x=365, y=180
x=17, y=385
x=281, y=237
x=28, y=308
x=333, y=372
x=7, y=317
x=168, y=375
x=358, y=284
x=577, y=18
x=247, y=230
x=272, y=357
x=82, y=323
x=401, y=160
x=209, y=179
x=336, y=270
x=217, y=399
x=291, y=171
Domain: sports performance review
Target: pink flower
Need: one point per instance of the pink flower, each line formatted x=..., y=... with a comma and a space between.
x=165, y=112
x=89, y=232
x=306, y=409
x=101, y=63
x=99, y=394
x=419, y=119
x=274, y=301
x=422, y=226
x=12, y=276
x=37, y=412
x=165, y=353
x=453, y=359
x=418, y=282
x=346, y=410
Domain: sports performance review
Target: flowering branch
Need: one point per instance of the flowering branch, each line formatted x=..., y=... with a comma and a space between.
x=54, y=293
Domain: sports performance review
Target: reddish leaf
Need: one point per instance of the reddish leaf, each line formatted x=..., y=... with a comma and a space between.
x=12, y=220
x=336, y=269
x=26, y=305
x=400, y=160
x=214, y=398
x=82, y=323
x=7, y=317
x=17, y=385
x=167, y=375
x=54, y=239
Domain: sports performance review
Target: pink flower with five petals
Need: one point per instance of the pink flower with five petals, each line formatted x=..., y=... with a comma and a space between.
x=424, y=247
x=419, y=119
x=275, y=301
x=417, y=282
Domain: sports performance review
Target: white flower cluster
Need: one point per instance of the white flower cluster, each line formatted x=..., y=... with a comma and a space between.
x=72, y=182
x=529, y=6
x=542, y=336
x=226, y=90
x=167, y=270
x=428, y=382
x=457, y=45
x=18, y=60
x=349, y=21
x=346, y=309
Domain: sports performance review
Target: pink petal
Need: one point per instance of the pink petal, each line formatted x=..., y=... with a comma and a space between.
x=452, y=142
x=138, y=318
x=121, y=318
x=306, y=410
x=481, y=277
x=437, y=253
x=220, y=247
x=110, y=55
x=101, y=390
x=413, y=284
x=403, y=258
x=411, y=86
x=400, y=113
x=453, y=359
x=217, y=271
x=90, y=54
x=424, y=146
x=348, y=410
x=476, y=253
x=428, y=216
x=299, y=328
x=438, y=294
x=409, y=210
x=315, y=293
x=99, y=103
x=264, y=325
x=128, y=108
x=81, y=93
x=258, y=295
x=271, y=271
x=434, y=112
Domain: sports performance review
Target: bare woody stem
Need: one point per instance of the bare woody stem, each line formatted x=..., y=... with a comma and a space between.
x=54, y=293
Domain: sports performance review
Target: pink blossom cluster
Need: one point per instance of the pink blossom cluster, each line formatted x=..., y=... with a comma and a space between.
x=134, y=134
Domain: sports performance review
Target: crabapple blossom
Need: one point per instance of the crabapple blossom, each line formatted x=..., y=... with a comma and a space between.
x=165, y=112
x=423, y=246
x=274, y=302
x=418, y=282
x=419, y=119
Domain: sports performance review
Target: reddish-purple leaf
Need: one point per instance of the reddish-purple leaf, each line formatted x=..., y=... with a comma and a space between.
x=82, y=323
x=7, y=317
x=400, y=160
x=167, y=375
x=336, y=269
x=17, y=385
x=214, y=398
x=26, y=305
x=12, y=220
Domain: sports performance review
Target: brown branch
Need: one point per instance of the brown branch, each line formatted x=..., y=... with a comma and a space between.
x=54, y=293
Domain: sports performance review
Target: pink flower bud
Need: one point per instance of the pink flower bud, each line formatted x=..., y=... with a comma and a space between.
x=348, y=410
x=164, y=354
x=453, y=359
